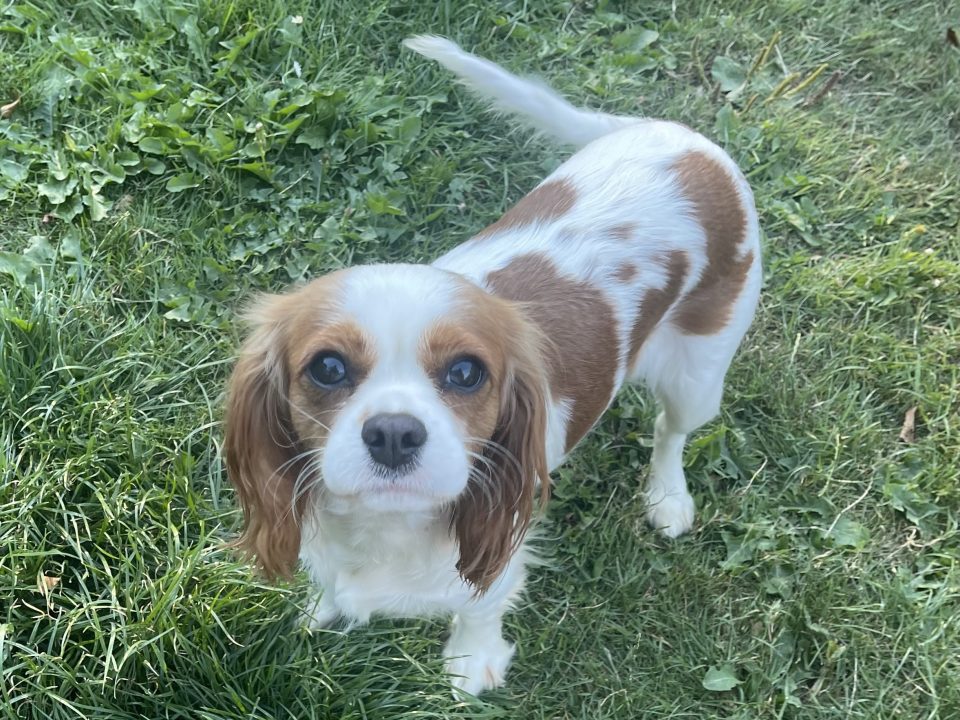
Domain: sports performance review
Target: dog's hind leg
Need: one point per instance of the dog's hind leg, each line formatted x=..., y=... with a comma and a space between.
x=686, y=376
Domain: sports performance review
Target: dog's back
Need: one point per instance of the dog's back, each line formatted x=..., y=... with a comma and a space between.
x=639, y=258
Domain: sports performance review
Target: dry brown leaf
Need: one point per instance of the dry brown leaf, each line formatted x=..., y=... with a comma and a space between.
x=47, y=584
x=7, y=110
x=907, y=432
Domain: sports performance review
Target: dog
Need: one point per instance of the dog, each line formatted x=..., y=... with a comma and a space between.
x=393, y=427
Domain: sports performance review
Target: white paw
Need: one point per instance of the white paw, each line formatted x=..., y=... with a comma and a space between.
x=479, y=668
x=671, y=515
x=320, y=614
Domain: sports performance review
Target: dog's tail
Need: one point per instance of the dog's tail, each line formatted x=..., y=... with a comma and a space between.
x=547, y=111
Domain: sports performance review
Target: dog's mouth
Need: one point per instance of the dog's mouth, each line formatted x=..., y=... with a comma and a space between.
x=387, y=491
x=400, y=498
x=395, y=477
x=397, y=490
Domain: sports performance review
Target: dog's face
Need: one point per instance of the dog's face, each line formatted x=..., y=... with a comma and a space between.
x=388, y=389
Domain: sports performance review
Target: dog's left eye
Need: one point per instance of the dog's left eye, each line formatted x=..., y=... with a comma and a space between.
x=327, y=369
x=466, y=374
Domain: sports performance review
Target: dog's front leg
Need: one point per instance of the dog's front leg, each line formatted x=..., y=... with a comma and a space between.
x=322, y=612
x=477, y=655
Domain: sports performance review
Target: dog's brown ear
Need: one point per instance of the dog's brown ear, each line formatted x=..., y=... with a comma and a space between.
x=261, y=449
x=491, y=520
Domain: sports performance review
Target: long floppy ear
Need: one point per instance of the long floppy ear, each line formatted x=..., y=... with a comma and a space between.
x=261, y=447
x=490, y=522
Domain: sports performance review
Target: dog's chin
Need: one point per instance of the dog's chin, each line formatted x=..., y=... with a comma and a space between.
x=400, y=500
x=412, y=494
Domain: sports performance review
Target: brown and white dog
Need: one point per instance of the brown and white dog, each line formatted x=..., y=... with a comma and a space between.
x=392, y=425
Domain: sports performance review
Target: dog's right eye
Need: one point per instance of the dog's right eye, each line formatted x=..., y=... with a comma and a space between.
x=327, y=370
x=465, y=374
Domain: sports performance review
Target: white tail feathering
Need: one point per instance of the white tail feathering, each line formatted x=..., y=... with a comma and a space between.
x=541, y=106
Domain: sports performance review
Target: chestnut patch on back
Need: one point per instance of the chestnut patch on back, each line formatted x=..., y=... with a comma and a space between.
x=581, y=333
x=623, y=231
x=625, y=273
x=655, y=302
x=548, y=201
x=718, y=206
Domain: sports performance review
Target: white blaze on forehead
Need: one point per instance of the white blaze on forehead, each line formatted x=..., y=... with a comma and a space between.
x=396, y=304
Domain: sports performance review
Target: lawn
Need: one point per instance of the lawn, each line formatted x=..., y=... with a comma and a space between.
x=163, y=160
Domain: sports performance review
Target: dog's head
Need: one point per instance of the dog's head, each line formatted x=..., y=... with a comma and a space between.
x=388, y=389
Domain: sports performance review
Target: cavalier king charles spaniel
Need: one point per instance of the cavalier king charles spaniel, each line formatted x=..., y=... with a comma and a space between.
x=392, y=427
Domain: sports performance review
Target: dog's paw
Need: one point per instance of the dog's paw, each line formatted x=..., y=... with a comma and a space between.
x=320, y=614
x=478, y=668
x=671, y=515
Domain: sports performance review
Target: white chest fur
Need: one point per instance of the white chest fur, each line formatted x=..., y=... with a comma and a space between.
x=397, y=565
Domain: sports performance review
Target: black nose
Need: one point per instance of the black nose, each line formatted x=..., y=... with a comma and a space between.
x=393, y=439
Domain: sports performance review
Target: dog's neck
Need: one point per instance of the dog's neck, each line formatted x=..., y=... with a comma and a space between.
x=361, y=537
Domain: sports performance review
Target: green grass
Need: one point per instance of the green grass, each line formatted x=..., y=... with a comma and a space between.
x=169, y=158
